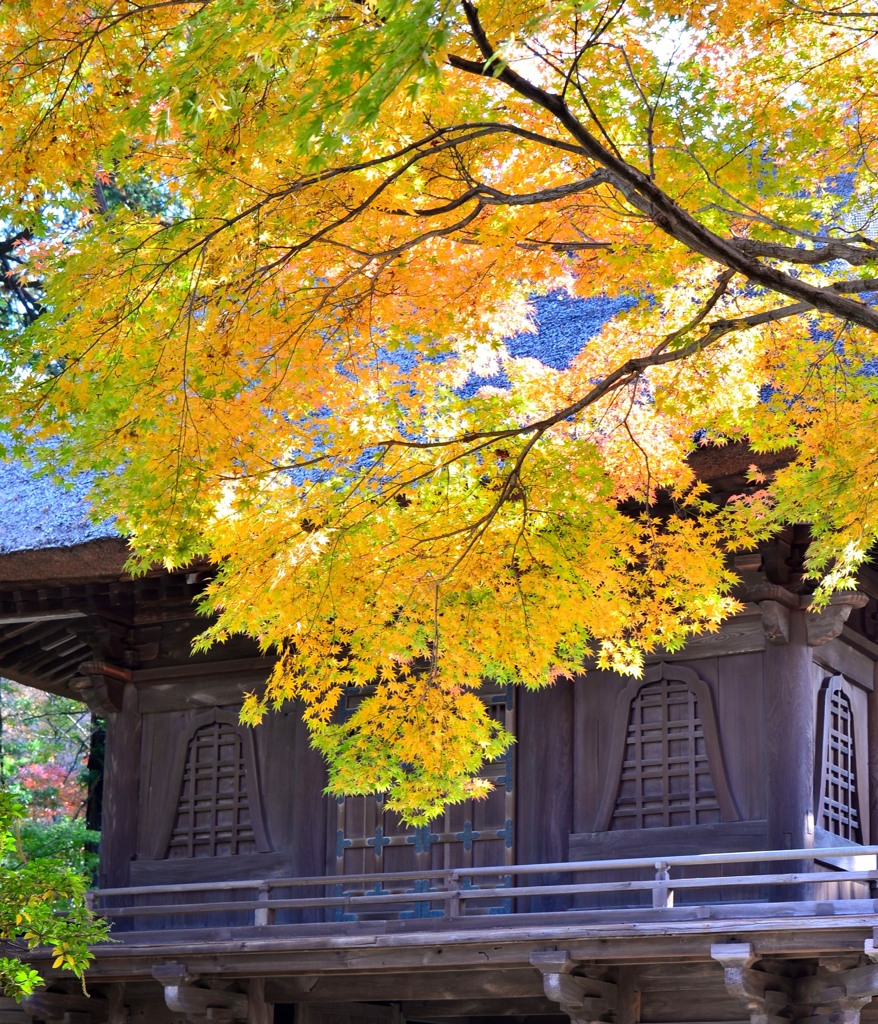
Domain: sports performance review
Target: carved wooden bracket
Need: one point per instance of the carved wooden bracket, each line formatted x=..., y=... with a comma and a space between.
x=833, y=994
x=837, y=995
x=100, y=685
x=65, y=1008
x=827, y=624
x=583, y=999
x=775, y=604
x=775, y=622
x=766, y=996
x=183, y=995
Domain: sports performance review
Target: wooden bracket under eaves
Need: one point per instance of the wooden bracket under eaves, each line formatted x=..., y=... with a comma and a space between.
x=585, y=1000
x=199, y=1003
x=825, y=992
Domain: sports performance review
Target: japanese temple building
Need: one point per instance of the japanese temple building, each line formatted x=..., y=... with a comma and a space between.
x=693, y=847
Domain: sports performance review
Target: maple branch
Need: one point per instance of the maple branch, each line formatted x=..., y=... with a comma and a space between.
x=621, y=376
x=535, y=244
x=856, y=256
x=647, y=197
x=489, y=196
x=859, y=284
x=834, y=12
x=423, y=148
x=11, y=280
x=718, y=292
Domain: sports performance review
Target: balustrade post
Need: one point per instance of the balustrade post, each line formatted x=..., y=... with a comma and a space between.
x=662, y=894
x=264, y=915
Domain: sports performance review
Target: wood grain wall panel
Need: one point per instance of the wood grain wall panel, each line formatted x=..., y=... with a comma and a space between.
x=274, y=740
x=839, y=656
x=545, y=769
x=163, y=734
x=121, y=807
x=736, y=683
x=304, y=779
x=288, y=776
x=739, y=697
x=544, y=800
x=595, y=699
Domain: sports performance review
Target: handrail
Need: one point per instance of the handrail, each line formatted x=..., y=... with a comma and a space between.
x=452, y=889
x=555, y=867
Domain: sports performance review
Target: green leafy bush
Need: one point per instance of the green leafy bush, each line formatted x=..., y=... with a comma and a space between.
x=42, y=903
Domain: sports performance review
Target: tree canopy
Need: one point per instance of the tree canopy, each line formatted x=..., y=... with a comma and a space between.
x=329, y=214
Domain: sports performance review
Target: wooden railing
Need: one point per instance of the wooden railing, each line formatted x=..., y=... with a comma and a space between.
x=455, y=893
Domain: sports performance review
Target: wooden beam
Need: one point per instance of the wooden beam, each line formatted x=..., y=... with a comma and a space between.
x=12, y=1012
x=479, y=1008
x=57, y=1006
x=419, y=986
x=183, y=995
x=27, y=617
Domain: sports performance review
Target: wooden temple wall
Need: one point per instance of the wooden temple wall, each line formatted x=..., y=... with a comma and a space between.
x=738, y=744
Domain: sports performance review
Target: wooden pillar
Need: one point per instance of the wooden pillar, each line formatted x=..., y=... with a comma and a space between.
x=790, y=735
x=873, y=758
x=117, y=1011
x=121, y=787
x=258, y=1010
x=544, y=794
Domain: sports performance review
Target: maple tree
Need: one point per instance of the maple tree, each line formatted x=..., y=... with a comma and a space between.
x=42, y=903
x=275, y=364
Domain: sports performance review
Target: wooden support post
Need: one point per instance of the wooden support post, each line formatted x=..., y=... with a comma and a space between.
x=872, y=733
x=117, y=1011
x=544, y=751
x=790, y=713
x=453, y=905
x=628, y=1000
x=259, y=1011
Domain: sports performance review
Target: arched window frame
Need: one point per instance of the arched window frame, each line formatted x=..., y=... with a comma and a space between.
x=835, y=687
x=254, y=790
x=654, y=674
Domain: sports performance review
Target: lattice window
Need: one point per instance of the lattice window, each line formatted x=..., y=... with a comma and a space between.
x=370, y=838
x=838, y=804
x=213, y=813
x=665, y=776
